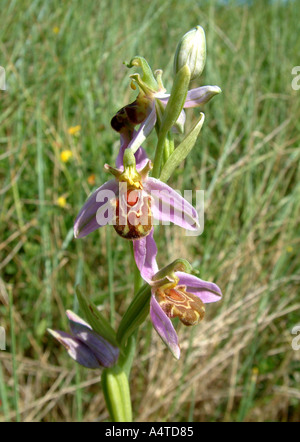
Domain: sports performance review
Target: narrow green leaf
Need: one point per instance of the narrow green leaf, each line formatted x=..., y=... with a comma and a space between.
x=135, y=315
x=181, y=152
x=98, y=323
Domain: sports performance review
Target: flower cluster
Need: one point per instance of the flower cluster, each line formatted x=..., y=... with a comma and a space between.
x=137, y=198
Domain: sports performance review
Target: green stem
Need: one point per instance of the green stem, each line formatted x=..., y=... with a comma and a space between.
x=166, y=152
x=78, y=395
x=3, y=395
x=171, y=143
x=110, y=278
x=14, y=359
x=78, y=281
x=115, y=380
x=116, y=391
x=137, y=281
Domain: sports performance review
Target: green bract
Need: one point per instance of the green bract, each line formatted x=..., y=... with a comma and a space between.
x=95, y=319
x=135, y=315
x=182, y=151
x=173, y=109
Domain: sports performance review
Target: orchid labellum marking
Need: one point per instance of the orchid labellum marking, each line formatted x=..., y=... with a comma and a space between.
x=177, y=302
x=133, y=216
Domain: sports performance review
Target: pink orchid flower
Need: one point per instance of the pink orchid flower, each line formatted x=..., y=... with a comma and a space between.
x=132, y=202
x=84, y=345
x=179, y=295
x=143, y=112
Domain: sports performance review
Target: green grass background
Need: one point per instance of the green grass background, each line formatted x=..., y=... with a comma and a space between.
x=238, y=364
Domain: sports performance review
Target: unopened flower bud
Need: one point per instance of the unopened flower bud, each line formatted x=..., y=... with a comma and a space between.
x=191, y=50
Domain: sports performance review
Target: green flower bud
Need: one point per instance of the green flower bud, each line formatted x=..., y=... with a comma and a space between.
x=191, y=50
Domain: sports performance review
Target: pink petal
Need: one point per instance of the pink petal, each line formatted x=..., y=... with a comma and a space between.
x=206, y=291
x=87, y=220
x=145, y=252
x=164, y=327
x=200, y=95
x=104, y=352
x=144, y=129
x=76, y=349
x=75, y=318
x=168, y=206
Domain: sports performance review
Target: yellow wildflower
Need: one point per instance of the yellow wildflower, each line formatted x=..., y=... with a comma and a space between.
x=74, y=130
x=92, y=179
x=61, y=201
x=65, y=155
x=55, y=30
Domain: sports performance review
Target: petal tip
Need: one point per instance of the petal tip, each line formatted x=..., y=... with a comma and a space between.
x=54, y=333
x=176, y=352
